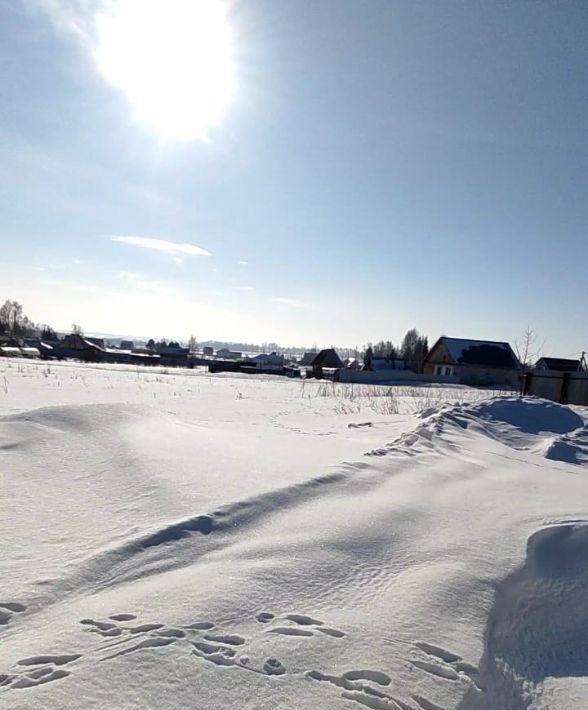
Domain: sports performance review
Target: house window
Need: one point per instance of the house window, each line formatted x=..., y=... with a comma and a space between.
x=439, y=370
x=444, y=371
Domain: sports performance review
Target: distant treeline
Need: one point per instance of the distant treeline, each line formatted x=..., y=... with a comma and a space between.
x=15, y=323
x=413, y=348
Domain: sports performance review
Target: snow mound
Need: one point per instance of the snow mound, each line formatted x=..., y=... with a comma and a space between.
x=570, y=448
x=538, y=626
x=529, y=416
x=551, y=430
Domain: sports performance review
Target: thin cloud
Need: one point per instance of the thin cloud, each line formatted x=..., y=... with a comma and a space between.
x=162, y=245
x=292, y=302
x=243, y=263
x=244, y=288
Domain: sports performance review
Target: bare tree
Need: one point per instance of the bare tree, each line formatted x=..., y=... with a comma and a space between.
x=47, y=333
x=14, y=321
x=77, y=329
x=414, y=349
x=11, y=316
x=192, y=344
x=527, y=350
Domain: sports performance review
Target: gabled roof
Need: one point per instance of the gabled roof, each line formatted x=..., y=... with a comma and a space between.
x=483, y=353
x=327, y=358
x=75, y=341
x=559, y=363
x=308, y=358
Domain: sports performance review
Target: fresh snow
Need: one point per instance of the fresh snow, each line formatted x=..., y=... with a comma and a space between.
x=175, y=539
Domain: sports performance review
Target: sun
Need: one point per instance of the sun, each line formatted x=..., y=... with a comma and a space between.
x=172, y=58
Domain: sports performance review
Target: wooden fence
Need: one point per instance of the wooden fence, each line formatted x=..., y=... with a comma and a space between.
x=563, y=387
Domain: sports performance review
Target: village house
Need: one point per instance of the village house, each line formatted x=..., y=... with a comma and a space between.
x=326, y=359
x=307, y=358
x=558, y=364
x=14, y=351
x=173, y=356
x=273, y=361
x=81, y=348
x=475, y=362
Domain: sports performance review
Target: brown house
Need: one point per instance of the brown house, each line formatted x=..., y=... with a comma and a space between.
x=480, y=363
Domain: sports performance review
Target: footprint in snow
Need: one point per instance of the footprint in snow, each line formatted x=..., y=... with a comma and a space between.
x=230, y=639
x=364, y=687
x=222, y=655
x=58, y=660
x=200, y=626
x=370, y=688
x=446, y=664
x=40, y=670
x=219, y=648
x=265, y=617
x=119, y=638
x=304, y=625
x=7, y=609
x=146, y=643
x=104, y=628
x=273, y=667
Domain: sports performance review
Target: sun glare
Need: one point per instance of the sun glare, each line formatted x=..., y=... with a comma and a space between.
x=172, y=58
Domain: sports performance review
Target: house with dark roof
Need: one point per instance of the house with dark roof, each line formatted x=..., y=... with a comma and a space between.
x=173, y=356
x=81, y=348
x=326, y=359
x=558, y=364
x=307, y=359
x=481, y=363
x=271, y=361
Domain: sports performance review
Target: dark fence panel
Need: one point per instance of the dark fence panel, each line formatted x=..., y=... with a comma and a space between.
x=563, y=387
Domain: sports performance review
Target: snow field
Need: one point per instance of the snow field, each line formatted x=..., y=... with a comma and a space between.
x=182, y=540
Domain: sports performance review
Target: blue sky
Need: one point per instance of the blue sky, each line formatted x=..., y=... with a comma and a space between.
x=379, y=165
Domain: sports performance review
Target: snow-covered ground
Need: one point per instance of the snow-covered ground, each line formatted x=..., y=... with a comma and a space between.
x=175, y=539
